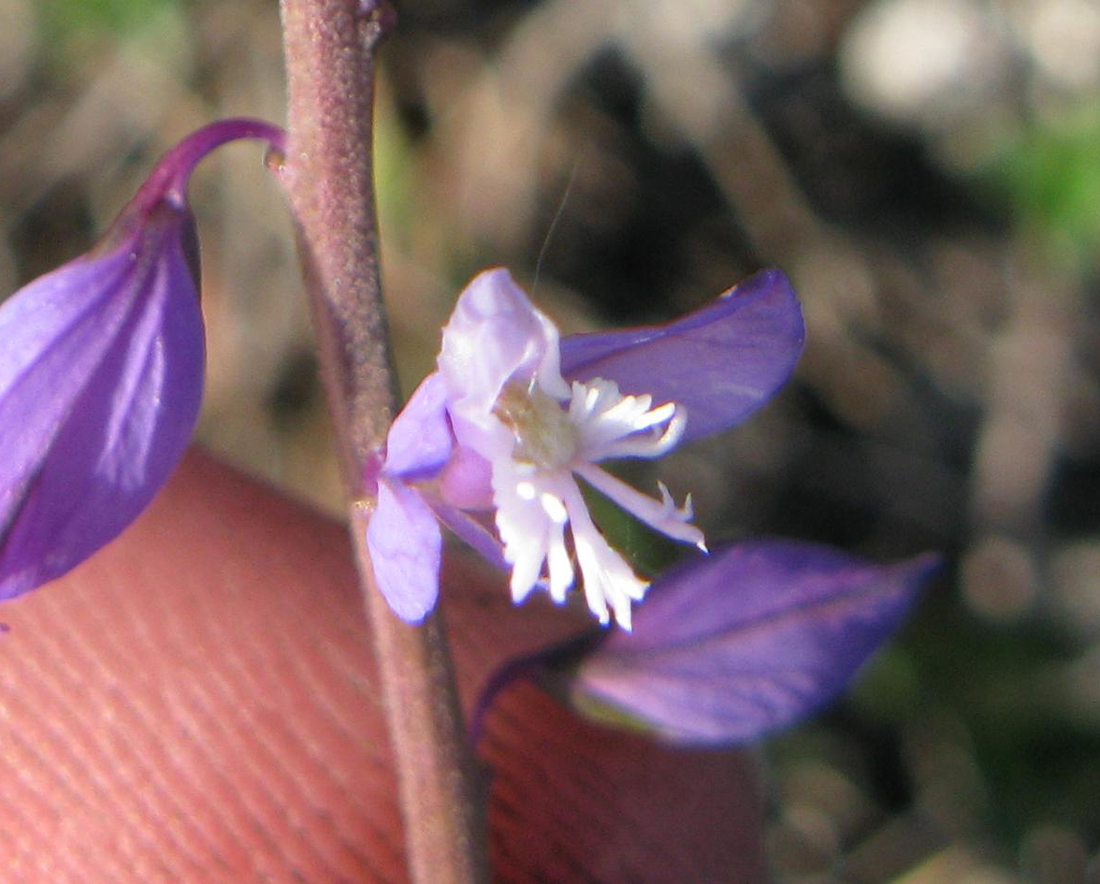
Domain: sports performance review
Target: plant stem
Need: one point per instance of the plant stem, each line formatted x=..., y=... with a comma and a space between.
x=329, y=48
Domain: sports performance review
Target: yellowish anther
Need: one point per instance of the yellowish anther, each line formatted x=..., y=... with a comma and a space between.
x=545, y=436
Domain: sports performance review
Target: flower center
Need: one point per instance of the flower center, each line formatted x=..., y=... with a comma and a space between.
x=545, y=436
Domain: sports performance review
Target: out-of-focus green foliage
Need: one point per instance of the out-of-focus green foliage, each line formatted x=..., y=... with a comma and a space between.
x=65, y=19
x=648, y=550
x=391, y=173
x=1051, y=176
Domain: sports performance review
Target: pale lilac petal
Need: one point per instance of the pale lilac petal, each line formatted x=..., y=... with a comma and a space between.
x=749, y=639
x=495, y=336
x=722, y=362
x=100, y=406
x=405, y=546
x=420, y=439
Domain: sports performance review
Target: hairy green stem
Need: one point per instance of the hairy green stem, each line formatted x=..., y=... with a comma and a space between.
x=330, y=48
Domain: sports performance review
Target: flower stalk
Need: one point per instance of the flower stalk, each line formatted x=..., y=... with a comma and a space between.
x=330, y=46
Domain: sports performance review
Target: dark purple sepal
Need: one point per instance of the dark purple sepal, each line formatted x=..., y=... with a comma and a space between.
x=752, y=638
x=721, y=362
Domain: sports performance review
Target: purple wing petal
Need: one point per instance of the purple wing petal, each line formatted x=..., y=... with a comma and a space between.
x=120, y=383
x=749, y=639
x=55, y=332
x=405, y=547
x=420, y=439
x=722, y=362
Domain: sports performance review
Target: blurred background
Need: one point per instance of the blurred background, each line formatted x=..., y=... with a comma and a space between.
x=926, y=171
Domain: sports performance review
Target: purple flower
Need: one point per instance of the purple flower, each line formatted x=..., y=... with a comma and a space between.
x=493, y=442
x=101, y=374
